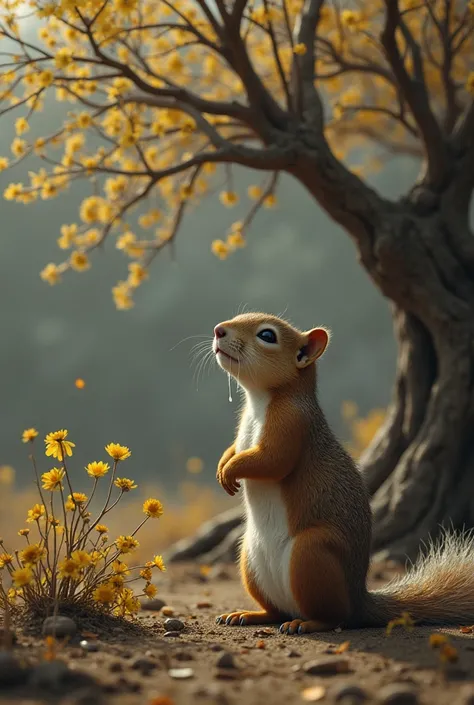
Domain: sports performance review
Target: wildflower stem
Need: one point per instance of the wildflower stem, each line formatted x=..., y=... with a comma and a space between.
x=105, y=508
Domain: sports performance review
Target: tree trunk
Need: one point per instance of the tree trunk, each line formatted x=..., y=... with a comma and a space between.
x=420, y=467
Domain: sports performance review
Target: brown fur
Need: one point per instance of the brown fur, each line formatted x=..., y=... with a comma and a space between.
x=327, y=504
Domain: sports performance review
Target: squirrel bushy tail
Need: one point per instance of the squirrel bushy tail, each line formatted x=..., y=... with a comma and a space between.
x=438, y=589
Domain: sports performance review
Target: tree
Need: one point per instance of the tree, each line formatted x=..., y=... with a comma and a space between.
x=169, y=91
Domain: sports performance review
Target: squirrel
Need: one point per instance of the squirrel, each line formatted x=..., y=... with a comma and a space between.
x=306, y=548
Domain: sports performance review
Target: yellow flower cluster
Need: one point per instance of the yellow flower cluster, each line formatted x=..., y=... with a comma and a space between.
x=82, y=567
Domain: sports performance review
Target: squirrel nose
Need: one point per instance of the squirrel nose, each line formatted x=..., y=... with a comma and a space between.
x=220, y=331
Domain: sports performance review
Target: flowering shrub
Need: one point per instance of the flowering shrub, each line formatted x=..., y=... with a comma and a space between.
x=68, y=558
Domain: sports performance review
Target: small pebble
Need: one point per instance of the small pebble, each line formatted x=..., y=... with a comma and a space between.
x=116, y=667
x=293, y=654
x=59, y=627
x=326, y=666
x=204, y=604
x=216, y=647
x=89, y=646
x=144, y=665
x=50, y=675
x=398, y=694
x=172, y=634
x=154, y=605
x=173, y=625
x=226, y=660
x=11, y=672
x=167, y=611
x=181, y=673
x=264, y=633
x=314, y=693
x=348, y=694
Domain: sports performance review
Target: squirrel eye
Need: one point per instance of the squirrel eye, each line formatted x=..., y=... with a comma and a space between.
x=267, y=335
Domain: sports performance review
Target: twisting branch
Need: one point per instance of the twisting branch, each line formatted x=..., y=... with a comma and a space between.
x=305, y=32
x=276, y=54
x=415, y=93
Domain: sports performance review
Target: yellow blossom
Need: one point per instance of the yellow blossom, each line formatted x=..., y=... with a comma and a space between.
x=32, y=554
x=45, y=78
x=21, y=126
x=270, y=201
x=79, y=383
x=153, y=508
x=29, y=435
x=104, y=594
x=89, y=211
x=84, y=120
x=51, y=274
x=5, y=559
x=56, y=443
x=122, y=297
x=120, y=568
x=127, y=603
x=82, y=558
x=95, y=557
x=63, y=58
x=254, y=192
x=137, y=275
x=117, y=582
x=159, y=563
x=78, y=498
x=229, y=198
x=68, y=233
x=236, y=239
x=13, y=191
x=79, y=261
x=18, y=147
x=35, y=513
x=23, y=532
x=124, y=484
x=3, y=163
x=97, y=468
x=146, y=573
x=69, y=568
x=118, y=452
x=300, y=49
x=52, y=480
x=22, y=577
x=102, y=528
x=220, y=249
x=126, y=544
x=150, y=590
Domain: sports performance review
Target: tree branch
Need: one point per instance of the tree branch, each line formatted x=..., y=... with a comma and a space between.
x=305, y=32
x=415, y=93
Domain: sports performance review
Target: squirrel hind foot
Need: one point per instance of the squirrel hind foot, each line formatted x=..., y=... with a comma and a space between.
x=242, y=619
x=300, y=626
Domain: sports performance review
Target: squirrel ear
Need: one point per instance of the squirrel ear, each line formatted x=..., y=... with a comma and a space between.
x=316, y=342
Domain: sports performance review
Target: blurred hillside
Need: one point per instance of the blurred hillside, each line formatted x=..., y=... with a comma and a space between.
x=140, y=389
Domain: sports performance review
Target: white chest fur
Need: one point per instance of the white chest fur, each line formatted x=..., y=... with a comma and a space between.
x=267, y=541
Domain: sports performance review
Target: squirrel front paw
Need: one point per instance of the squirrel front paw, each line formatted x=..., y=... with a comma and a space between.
x=227, y=479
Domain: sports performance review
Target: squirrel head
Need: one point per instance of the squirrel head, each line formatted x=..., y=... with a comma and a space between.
x=264, y=352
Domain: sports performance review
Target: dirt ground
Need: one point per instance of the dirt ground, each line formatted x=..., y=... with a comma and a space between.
x=140, y=668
